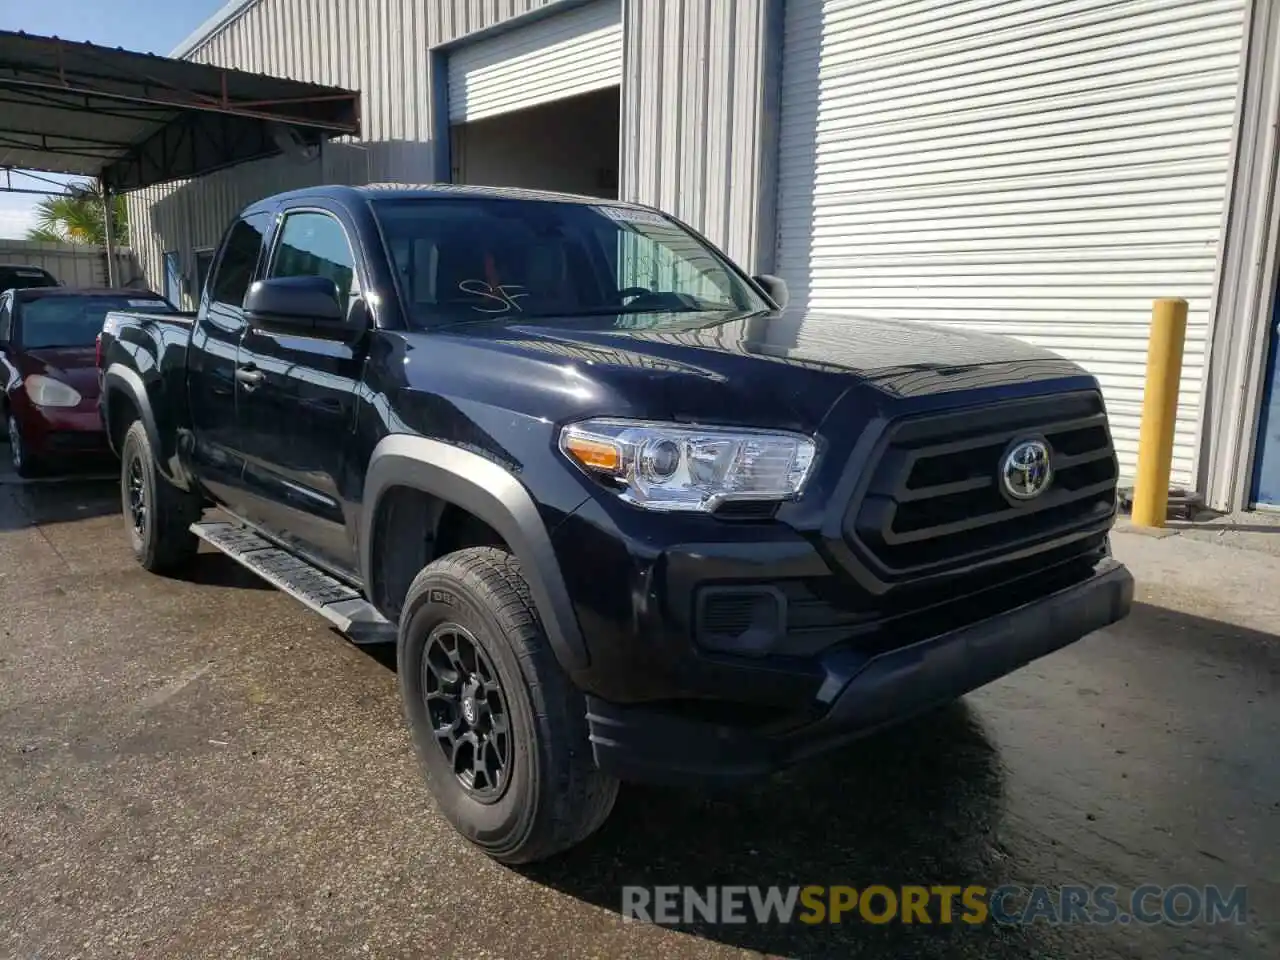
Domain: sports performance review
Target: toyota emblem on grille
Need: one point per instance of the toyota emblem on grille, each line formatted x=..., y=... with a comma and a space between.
x=1026, y=470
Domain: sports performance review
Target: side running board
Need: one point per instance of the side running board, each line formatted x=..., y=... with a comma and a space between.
x=326, y=595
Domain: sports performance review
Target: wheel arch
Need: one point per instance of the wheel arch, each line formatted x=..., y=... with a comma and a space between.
x=125, y=393
x=122, y=392
x=490, y=493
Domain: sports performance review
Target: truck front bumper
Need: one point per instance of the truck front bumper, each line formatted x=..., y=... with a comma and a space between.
x=862, y=693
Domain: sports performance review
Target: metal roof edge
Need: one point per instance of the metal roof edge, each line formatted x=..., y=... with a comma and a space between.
x=206, y=30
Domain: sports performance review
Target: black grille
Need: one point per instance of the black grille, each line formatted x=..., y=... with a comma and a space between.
x=934, y=499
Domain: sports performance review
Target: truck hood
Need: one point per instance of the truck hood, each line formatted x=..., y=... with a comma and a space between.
x=785, y=370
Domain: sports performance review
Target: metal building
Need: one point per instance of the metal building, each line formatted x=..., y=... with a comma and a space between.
x=1039, y=168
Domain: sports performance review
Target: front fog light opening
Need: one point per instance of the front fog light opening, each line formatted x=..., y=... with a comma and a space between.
x=747, y=621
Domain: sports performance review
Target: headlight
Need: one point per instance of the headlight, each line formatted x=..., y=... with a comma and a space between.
x=47, y=392
x=662, y=466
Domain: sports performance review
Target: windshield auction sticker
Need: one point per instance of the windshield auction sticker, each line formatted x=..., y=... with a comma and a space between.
x=629, y=215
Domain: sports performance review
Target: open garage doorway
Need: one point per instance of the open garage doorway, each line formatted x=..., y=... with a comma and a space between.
x=568, y=145
x=537, y=104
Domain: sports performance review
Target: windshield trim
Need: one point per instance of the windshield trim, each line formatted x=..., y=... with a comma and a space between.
x=723, y=260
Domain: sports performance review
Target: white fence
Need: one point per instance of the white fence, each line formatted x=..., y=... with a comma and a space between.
x=75, y=265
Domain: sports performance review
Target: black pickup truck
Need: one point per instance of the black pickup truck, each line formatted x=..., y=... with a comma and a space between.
x=625, y=514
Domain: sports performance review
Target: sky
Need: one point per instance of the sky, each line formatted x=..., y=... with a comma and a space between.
x=151, y=26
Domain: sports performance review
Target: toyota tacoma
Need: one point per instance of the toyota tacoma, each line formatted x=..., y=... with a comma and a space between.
x=626, y=514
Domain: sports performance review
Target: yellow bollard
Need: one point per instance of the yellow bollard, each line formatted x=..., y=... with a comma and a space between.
x=1159, y=411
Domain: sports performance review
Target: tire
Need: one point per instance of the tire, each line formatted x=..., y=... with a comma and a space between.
x=24, y=464
x=550, y=795
x=158, y=534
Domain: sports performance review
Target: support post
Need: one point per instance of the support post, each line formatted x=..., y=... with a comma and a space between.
x=109, y=228
x=1159, y=412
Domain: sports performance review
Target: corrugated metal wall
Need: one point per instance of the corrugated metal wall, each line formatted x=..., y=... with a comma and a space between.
x=1037, y=169
x=691, y=129
x=75, y=265
x=694, y=141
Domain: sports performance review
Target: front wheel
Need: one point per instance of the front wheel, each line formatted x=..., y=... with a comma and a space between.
x=24, y=464
x=157, y=515
x=496, y=722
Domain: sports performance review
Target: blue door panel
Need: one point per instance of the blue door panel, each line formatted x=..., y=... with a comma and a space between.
x=1266, y=468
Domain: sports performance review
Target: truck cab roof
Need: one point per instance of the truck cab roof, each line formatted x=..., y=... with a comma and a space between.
x=429, y=191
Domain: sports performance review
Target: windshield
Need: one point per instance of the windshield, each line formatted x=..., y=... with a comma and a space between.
x=518, y=260
x=74, y=321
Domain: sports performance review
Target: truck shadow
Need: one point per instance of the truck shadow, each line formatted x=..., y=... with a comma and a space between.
x=214, y=569
x=915, y=805
x=61, y=499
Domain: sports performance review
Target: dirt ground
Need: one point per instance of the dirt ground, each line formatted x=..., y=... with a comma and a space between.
x=200, y=768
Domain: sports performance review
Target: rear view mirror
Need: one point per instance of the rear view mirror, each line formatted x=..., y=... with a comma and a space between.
x=775, y=287
x=295, y=302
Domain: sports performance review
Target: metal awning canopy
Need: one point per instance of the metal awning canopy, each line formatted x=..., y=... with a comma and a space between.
x=132, y=120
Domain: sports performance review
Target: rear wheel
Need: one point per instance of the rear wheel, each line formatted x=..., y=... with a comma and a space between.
x=157, y=514
x=496, y=722
x=24, y=464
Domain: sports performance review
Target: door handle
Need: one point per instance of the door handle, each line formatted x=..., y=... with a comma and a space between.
x=249, y=376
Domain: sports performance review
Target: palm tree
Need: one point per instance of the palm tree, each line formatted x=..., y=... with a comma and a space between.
x=77, y=218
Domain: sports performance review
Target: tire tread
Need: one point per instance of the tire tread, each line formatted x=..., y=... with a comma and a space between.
x=171, y=543
x=579, y=797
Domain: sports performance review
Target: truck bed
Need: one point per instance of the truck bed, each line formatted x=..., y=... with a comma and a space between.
x=144, y=317
x=155, y=331
x=150, y=345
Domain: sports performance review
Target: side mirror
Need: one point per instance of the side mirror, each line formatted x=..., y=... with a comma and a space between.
x=775, y=287
x=297, y=303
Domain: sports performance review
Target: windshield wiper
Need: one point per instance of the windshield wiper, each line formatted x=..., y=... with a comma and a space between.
x=518, y=317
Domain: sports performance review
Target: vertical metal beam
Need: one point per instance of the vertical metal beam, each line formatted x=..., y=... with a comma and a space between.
x=108, y=220
x=441, y=128
x=1249, y=266
x=772, y=15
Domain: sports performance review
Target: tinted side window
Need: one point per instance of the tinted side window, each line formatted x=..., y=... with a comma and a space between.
x=239, y=258
x=204, y=260
x=6, y=321
x=315, y=245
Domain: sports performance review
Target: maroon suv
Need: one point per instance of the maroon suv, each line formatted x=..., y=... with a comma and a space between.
x=48, y=341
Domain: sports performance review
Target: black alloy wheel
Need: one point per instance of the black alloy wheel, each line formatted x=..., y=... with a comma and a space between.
x=499, y=726
x=468, y=711
x=136, y=490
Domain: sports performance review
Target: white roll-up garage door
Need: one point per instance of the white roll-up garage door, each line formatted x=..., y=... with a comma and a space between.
x=1034, y=168
x=561, y=55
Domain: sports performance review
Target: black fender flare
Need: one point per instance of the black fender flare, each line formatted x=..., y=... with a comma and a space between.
x=121, y=379
x=491, y=493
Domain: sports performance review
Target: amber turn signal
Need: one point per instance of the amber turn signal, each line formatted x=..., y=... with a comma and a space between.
x=593, y=454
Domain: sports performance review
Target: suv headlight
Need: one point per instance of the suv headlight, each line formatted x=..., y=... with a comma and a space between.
x=47, y=392
x=665, y=466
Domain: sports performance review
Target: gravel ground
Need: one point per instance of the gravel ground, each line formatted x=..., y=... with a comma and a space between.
x=198, y=767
